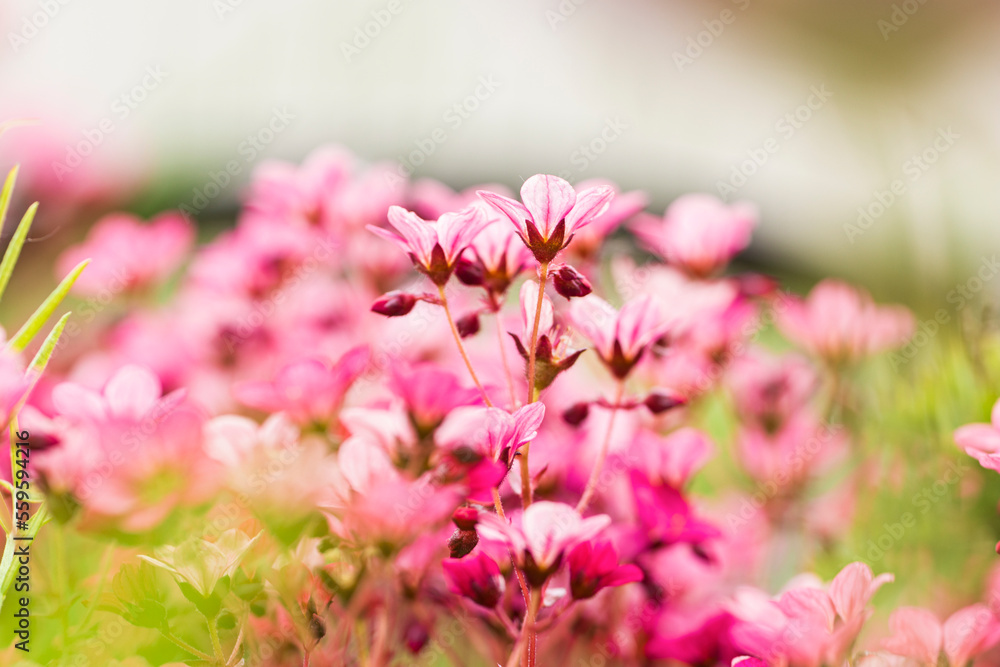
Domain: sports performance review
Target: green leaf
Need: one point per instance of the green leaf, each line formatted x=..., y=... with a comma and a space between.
x=41, y=359
x=7, y=193
x=38, y=319
x=14, y=247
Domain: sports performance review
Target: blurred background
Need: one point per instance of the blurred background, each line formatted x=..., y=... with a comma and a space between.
x=866, y=130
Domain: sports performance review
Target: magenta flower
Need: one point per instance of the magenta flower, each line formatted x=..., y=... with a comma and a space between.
x=551, y=213
x=476, y=577
x=594, y=566
x=547, y=532
x=434, y=247
x=699, y=234
x=918, y=634
x=982, y=441
x=429, y=394
x=842, y=323
x=128, y=254
x=619, y=337
x=310, y=391
x=665, y=516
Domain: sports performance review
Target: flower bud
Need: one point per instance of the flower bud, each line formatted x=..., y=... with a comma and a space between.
x=468, y=325
x=660, y=401
x=571, y=283
x=576, y=414
x=394, y=304
x=462, y=542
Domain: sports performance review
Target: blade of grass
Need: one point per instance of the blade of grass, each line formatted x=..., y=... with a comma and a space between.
x=7, y=192
x=34, y=324
x=14, y=247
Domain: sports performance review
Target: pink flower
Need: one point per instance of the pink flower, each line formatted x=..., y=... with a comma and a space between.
x=769, y=390
x=917, y=634
x=982, y=441
x=623, y=206
x=699, y=233
x=665, y=516
x=853, y=588
x=310, y=391
x=594, y=566
x=128, y=254
x=553, y=354
x=671, y=459
x=376, y=505
x=619, y=337
x=842, y=323
x=490, y=432
x=476, y=577
x=495, y=257
x=429, y=394
x=434, y=247
x=128, y=455
x=547, y=532
x=551, y=213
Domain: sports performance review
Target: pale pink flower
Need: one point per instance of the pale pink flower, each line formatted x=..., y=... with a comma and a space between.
x=434, y=247
x=699, y=233
x=767, y=390
x=546, y=532
x=982, y=441
x=375, y=504
x=495, y=257
x=128, y=254
x=551, y=214
x=619, y=337
x=132, y=455
x=492, y=433
x=853, y=588
x=623, y=206
x=553, y=353
x=842, y=323
x=918, y=634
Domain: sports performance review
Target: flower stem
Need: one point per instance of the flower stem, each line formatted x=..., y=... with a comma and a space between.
x=213, y=632
x=595, y=474
x=461, y=347
x=498, y=504
x=543, y=275
x=184, y=645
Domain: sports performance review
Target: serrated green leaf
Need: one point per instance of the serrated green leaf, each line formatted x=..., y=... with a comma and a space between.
x=37, y=320
x=14, y=247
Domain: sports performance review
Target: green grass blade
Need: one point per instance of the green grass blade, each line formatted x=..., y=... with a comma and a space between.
x=38, y=319
x=14, y=248
x=44, y=353
x=6, y=193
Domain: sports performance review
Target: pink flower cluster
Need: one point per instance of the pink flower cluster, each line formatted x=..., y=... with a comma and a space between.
x=459, y=427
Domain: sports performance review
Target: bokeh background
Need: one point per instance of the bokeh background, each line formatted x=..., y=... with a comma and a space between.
x=813, y=110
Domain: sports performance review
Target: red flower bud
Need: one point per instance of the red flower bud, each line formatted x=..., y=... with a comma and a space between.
x=394, y=304
x=571, y=283
x=576, y=413
x=468, y=325
x=660, y=401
